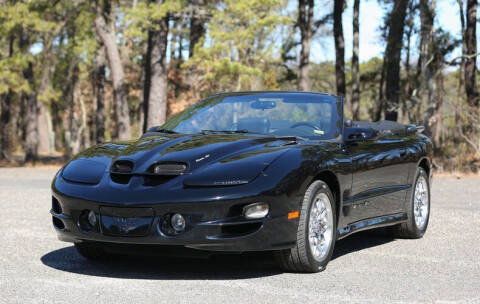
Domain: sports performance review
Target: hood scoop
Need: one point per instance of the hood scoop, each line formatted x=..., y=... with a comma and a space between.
x=122, y=172
x=197, y=160
x=122, y=167
x=169, y=168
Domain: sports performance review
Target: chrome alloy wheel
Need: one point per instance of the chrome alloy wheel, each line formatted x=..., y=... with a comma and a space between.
x=320, y=226
x=421, y=202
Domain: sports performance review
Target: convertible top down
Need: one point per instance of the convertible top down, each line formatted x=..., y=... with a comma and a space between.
x=247, y=171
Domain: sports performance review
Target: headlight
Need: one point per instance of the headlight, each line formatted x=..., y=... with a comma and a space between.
x=256, y=210
x=84, y=171
x=92, y=218
x=178, y=222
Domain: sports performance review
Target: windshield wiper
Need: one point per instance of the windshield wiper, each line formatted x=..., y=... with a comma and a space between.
x=225, y=131
x=162, y=131
x=290, y=137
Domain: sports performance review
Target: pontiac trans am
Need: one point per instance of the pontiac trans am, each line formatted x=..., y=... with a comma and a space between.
x=249, y=171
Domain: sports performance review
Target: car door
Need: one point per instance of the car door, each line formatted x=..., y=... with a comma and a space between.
x=379, y=179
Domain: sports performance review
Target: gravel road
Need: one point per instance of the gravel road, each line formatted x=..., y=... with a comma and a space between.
x=442, y=267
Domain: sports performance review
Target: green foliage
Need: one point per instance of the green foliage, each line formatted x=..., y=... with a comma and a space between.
x=141, y=18
x=16, y=17
x=248, y=45
x=240, y=48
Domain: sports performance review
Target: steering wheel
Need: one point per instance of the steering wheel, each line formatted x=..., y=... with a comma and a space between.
x=305, y=124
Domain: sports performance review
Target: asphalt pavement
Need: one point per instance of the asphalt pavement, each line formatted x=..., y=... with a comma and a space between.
x=442, y=267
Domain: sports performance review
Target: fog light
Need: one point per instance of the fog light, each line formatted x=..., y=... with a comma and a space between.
x=255, y=211
x=178, y=222
x=92, y=218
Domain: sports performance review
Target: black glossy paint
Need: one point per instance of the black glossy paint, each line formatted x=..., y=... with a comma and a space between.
x=223, y=173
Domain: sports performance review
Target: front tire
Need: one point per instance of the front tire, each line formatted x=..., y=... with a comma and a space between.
x=418, y=209
x=316, y=234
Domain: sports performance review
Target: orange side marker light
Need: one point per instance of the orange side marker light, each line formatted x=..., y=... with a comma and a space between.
x=293, y=215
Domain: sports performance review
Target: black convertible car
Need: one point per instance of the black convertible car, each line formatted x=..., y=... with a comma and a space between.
x=248, y=171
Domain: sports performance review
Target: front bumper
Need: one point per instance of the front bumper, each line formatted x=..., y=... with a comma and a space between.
x=213, y=226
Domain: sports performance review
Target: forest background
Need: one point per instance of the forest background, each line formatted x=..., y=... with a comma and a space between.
x=76, y=73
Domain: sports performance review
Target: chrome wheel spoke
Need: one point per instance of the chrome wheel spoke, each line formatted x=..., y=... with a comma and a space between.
x=421, y=202
x=320, y=233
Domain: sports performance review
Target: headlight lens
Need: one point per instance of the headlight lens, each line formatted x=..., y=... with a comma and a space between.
x=178, y=222
x=92, y=218
x=256, y=210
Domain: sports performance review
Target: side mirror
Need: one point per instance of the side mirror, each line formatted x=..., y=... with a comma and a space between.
x=348, y=122
x=352, y=134
x=357, y=136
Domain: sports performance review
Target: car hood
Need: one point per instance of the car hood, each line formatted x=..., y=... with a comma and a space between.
x=210, y=160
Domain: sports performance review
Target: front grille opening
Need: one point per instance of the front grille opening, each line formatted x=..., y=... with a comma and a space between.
x=240, y=229
x=58, y=223
x=155, y=180
x=56, y=207
x=120, y=178
x=236, y=210
x=122, y=166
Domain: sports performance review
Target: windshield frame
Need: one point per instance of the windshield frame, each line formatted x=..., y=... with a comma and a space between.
x=336, y=103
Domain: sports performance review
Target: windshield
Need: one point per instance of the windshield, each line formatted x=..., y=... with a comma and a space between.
x=280, y=114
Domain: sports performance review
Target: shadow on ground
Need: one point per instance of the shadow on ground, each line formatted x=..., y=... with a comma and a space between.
x=361, y=241
x=221, y=267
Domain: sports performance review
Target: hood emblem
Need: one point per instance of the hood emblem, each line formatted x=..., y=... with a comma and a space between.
x=202, y=158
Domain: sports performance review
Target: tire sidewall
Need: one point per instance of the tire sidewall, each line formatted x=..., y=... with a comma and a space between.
x=419, y=232
x=316, y=188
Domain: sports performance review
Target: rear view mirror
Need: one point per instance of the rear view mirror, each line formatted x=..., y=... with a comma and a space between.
x=263, y=105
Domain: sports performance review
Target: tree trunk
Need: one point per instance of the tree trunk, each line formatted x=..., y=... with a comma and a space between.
x=435, y=125
x=197, y=24
x=100, y=62
x=31, y=125
x=405, y=116
x=45, y=132
x=471, y=53
x=198, y=19
x=105, y=30
x=378, y=107
x=427, y=15
x=392, y=58
x=156, y=106
x=5, y=115
x=31, y=108
x=461, y=74
x=71, y=123
x=305, y=23
x=43, y=129
x=147, y=77
x=339, y=47
x=355, y=64
x=464, y=49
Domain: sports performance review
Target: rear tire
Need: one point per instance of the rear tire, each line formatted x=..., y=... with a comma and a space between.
x=417, y=223
x=305, y=257
x=91, y=251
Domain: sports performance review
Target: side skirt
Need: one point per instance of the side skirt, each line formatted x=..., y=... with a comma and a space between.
x=371, y=223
